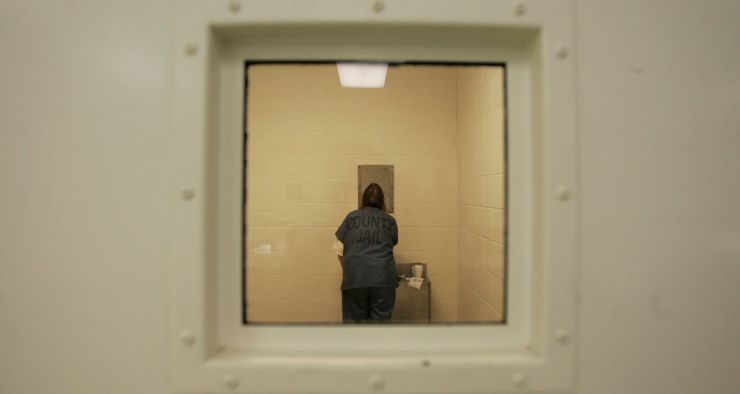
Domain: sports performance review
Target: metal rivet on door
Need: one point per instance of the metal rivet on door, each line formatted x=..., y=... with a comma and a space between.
x=231, y=381
x=191, y=49
x=377, y=383
x=187, y=337
x=188, y=194
x=563, y=193
x=561, y=336
x=562, y=52
x=378, y=6
x=235, y=6
x=519, y=380
x=520, y=9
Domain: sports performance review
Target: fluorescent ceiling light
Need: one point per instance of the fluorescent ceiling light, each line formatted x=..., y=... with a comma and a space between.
x=362, y=75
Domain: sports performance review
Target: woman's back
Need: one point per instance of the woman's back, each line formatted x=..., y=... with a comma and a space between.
x=368, y=235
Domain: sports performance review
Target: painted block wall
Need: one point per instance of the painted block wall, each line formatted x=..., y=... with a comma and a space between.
x=481, y=216
x=86, y=88
x=307, y=135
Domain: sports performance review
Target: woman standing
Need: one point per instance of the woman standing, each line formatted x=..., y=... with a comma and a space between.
x=365, y=242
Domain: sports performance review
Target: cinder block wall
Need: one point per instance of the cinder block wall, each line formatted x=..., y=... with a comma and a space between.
x=480, y=149
x=306, y=137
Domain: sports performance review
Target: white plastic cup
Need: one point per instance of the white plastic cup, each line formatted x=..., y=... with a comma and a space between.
x=417, y=270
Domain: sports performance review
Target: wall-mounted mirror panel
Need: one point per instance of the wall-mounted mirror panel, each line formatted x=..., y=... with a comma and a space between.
x=438, y=256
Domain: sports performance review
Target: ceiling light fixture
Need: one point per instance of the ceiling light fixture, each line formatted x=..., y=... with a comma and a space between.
x=362, y=75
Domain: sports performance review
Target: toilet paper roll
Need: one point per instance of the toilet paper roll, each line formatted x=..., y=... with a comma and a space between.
x=418, y=270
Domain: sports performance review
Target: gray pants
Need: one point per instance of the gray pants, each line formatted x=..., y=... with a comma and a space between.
x=368, y=305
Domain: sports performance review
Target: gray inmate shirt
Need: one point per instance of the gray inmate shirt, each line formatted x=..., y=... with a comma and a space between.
x=368, y=235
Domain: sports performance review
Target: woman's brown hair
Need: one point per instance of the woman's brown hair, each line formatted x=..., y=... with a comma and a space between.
x=373, y=197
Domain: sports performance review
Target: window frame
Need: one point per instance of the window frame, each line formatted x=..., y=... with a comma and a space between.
x=210, y=346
